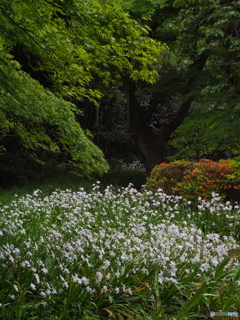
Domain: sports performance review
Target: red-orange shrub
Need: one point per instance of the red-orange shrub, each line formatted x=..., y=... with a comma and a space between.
x=196, y=179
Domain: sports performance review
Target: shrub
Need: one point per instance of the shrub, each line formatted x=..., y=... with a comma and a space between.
x=192, y=180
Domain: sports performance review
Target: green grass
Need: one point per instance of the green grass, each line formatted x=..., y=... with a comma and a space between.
x=120, y=174
x=47, y=186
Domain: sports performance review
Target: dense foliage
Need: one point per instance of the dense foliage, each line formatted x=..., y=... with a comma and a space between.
x=198, y=69
x=208, y=132
x=158, y=59
x=194, y=180
x=210, y=31
x=50, y=52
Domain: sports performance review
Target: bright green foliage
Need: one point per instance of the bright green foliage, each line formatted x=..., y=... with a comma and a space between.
x=235, y=166
x=49, y=54
x=76, y=40
x=25, y=112
x=192, y=180
x=145, y=8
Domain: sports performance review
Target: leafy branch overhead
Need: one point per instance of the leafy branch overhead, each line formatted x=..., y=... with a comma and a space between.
x=162, y=57
x=50, y=53
x=199, y=66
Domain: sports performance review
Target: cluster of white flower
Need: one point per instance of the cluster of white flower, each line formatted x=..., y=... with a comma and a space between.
x=113, y=233
x=134, y=167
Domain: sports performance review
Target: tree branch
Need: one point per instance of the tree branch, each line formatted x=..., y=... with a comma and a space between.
x=28, y=33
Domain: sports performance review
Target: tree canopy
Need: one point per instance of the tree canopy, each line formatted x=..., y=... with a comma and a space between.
x=162, y=56
x=210, y=29
x=199, y=65
x=50, y=53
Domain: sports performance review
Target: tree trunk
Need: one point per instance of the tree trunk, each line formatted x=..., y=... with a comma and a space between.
x=151, y=143
x=151, y=146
